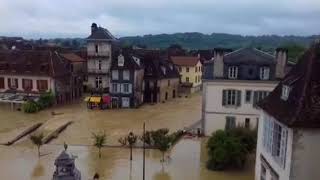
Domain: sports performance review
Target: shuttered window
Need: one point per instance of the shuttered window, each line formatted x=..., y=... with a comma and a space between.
x=1, y=83
x=259, y=95
x=27, y=84
x=230, y=122
x=13, y=83
x=42, y=85
x=126, y=88
x=231, y=97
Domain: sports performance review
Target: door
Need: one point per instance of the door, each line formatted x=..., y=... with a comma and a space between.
x=125, y=102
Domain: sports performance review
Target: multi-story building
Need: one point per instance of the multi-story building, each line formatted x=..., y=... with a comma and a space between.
x=161, y=78
x=190, y=69
x=289, y=130
x=126, y=81
x=99, y=54
x=28, y=73
x=234, y=82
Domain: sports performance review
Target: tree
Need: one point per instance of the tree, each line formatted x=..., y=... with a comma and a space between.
x=37, y=139
x=162, y=142
x=132, y=139
x=99, y=140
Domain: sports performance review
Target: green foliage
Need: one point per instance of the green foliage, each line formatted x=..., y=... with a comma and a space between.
x=163, y=143
x=294, y=50
x=37, y=139
x=30, y=107
x=229, y=148
x=46, y=100
x=99, y=140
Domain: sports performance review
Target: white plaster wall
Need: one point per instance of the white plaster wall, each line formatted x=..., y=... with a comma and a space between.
x=51, y=84
x=214, y=111
x=305, y=155
x=104, y=48
x=284, y=173
x=216, y=121
x=93, y=65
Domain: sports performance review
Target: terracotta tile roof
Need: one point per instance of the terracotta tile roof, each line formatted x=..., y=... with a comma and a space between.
x=32, y=62
x=72, y=57
x=185, y=60
x=302, y=108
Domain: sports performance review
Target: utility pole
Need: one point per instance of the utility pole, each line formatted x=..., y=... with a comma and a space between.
x=144, y=151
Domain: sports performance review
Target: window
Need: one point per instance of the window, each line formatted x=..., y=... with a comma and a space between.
x=125, y=102
x=248, y=96
x=1, y=83
x=233, y=72
x=275, y=138
x=230, y=122
x=247, y=123
x=196, y=79
x=264, y=73
x=99, y=64
x=187, y=69
x=115, y=74
x=231, y=97
x=13, y=83
x=98, y=82
x=187, y=79
x=169, y=82
x=42, y=85
x=126, y=75
x=96, y=47
x=120, y=60
x=126, y=88
x=180, y=69
x=259, y=95
x=27, y=84
x=285, y=92
x=196, y=69
x=114, y=88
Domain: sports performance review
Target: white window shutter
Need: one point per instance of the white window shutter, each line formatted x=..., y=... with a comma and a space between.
x=130, y=88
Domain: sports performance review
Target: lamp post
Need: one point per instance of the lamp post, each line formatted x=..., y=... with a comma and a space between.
x=144, y=151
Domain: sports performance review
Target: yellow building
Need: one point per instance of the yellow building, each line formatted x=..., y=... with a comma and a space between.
x=190, y=69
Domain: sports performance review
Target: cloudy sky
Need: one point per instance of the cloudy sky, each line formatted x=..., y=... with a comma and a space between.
x=72, y=18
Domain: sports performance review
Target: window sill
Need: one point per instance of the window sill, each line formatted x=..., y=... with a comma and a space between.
x=231, y=106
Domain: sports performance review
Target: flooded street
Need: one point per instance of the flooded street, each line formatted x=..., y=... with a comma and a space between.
x=188, y=157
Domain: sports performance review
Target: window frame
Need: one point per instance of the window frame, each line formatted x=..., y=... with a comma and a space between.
x=285, y=92
x=126, y=75
x=248, y=97
x=264, y=73
x=115, y=74
x=233, y=72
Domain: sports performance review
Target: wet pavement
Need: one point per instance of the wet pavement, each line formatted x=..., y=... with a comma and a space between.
x=188, y=157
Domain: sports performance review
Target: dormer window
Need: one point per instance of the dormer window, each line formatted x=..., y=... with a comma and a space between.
x=264, y=73
x=233, y=72
x=285, y=92
x=96, y=47
x=163, y=69
x=120, y=60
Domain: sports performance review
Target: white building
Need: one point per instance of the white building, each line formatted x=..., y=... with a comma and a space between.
x=99, y=51
x=233, y=83
x=289, y=132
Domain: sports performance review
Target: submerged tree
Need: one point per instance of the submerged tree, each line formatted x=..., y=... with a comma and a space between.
x=99, y=140
x=162, y=142
x=37, y=139
x=132, y=139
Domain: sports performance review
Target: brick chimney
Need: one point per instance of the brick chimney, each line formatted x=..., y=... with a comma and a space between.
x=94, y=27
x=218, y=64
x=281, y=58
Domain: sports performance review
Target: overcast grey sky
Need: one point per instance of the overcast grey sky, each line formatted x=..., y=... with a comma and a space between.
x=72, y=18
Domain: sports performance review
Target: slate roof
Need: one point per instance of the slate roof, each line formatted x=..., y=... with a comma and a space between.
x=101, y=33
x=129, y=62
x=302, y=108
x=32, y=62
x=249, y=55
x=185, y=60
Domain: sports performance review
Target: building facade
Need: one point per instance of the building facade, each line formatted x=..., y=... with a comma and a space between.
x=288, y=134
x=161, y=79
x=234, y=82
x=127, y=74
x=190, y=69
x=99, y=54
x=32, y=72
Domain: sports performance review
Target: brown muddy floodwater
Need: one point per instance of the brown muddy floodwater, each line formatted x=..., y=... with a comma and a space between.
x=188, y=157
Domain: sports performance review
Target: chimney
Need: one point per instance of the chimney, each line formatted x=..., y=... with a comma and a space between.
x=281, y=62
x=94, y=27
x=218, y=64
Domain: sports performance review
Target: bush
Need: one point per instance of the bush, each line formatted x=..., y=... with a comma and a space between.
x=30, y=107
x=226, y=150
x=246, y=136
x=46, y=100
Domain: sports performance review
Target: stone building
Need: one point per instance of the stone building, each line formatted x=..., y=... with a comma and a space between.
x=99, y=54
x=161, y=78
x=28, y=73
x=289, y=128
x=234, y=82
x=65, y=168
x=127, y=74
x=190, y=69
